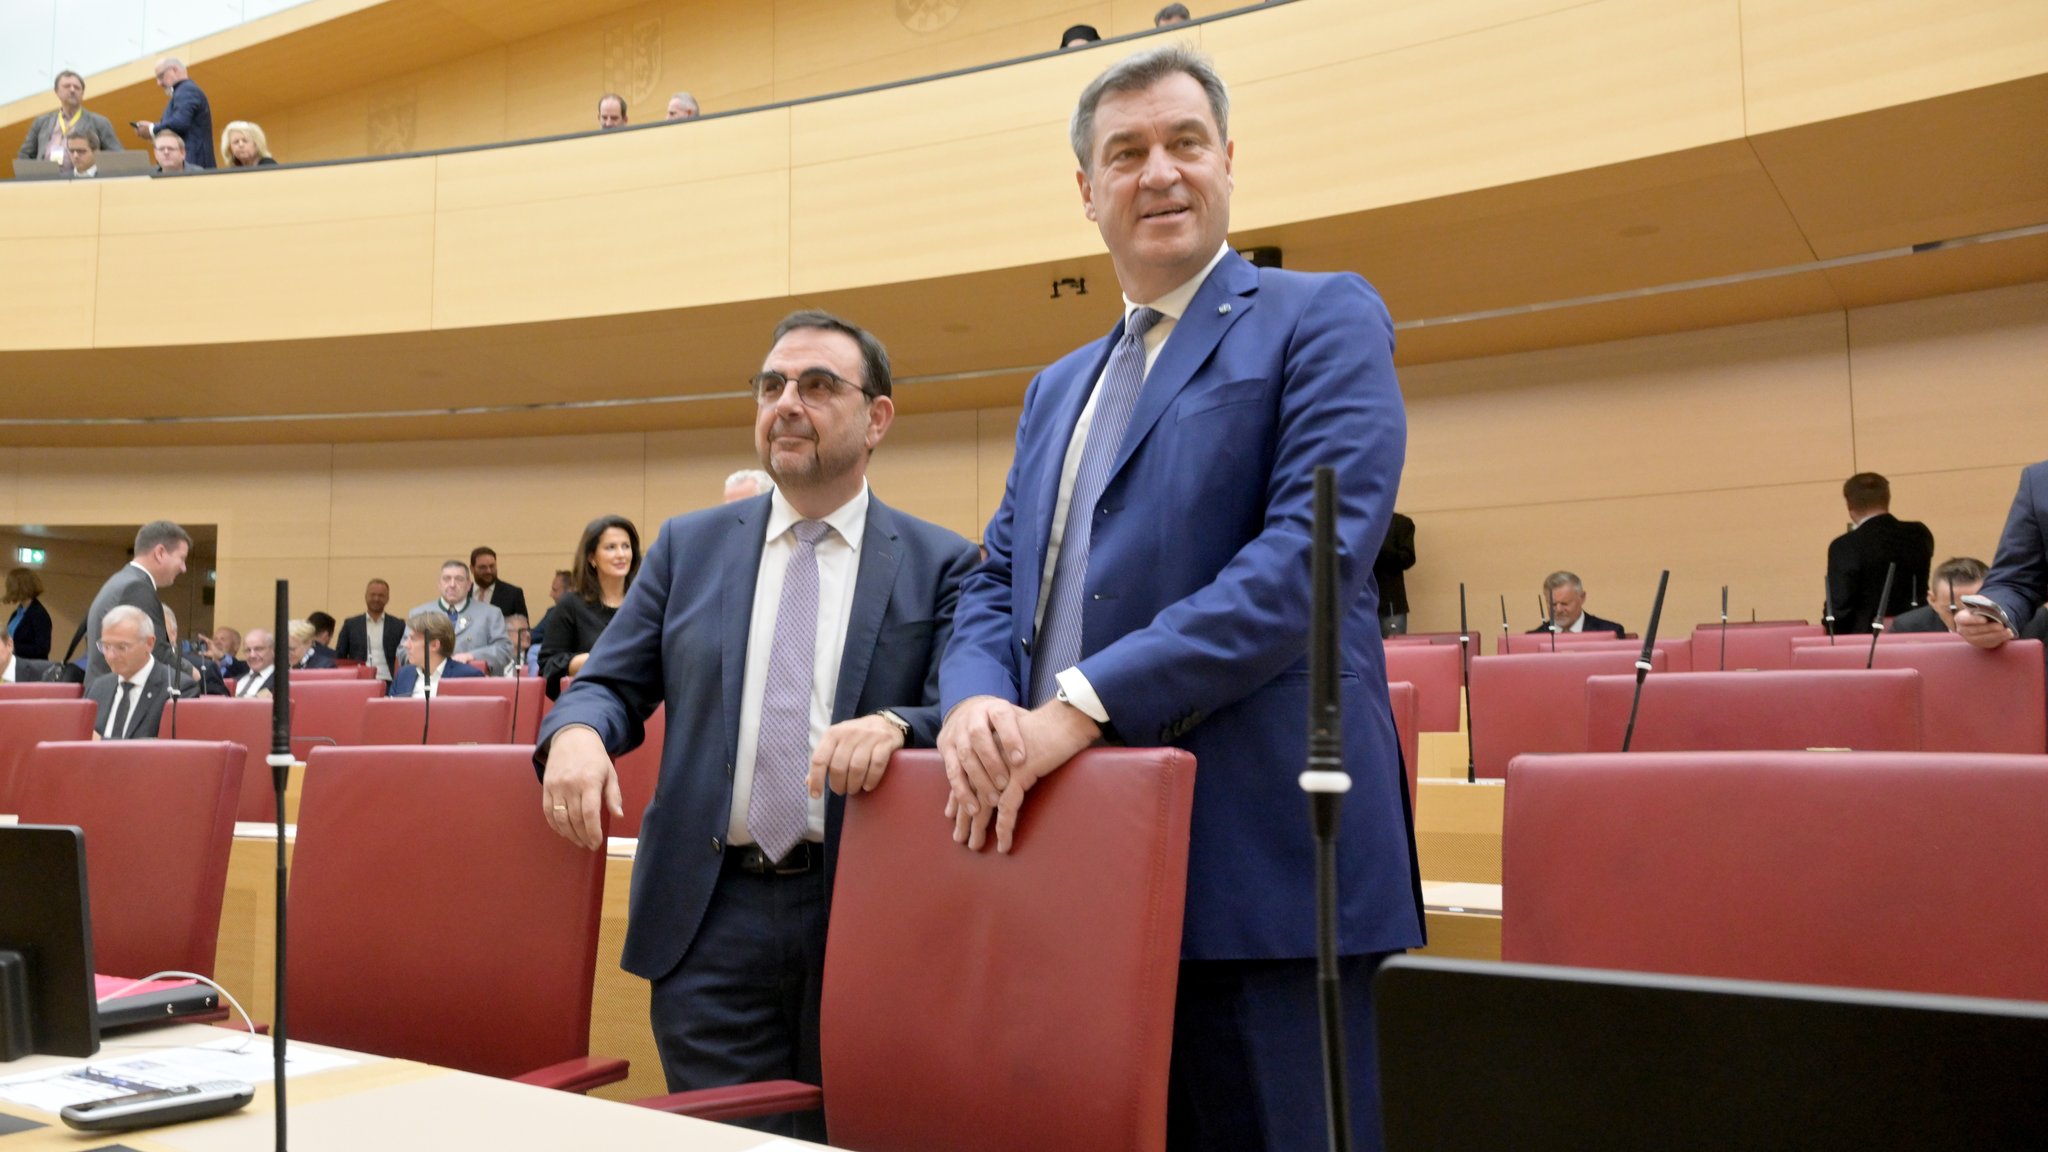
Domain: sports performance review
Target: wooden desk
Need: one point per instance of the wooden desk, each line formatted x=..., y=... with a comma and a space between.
x=1458, y=829
x=393, y=1106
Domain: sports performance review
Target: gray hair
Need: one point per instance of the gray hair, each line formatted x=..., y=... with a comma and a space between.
x=1563, y=579
x=129, y=614
x=1139, y=72
x=761, y=481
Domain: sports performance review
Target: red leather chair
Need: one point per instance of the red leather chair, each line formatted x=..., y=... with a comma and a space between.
x=26, y=723
x=524, y=696
x=1713, y=711
x=1401, y=697
x=468, y=942
x=1890, y=638
x=159, y=818
x=639, y=771
x=1537, y=703
x=1752, y=646
x=1032, y=993
x=42, y=690
x=1450, y=638
x=330, y=712
x=242, y=722
x=1915, y=871
x=1439, y=682
x=1677, y=653
x=1972, y=700
x=323, y=675
x=1524, y=643
x=452, y=720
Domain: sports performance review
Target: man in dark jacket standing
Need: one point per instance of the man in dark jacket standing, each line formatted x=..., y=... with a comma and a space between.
x=1876, y=540
x=188, y=114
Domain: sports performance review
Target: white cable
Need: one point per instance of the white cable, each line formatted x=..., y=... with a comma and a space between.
x=224, y=994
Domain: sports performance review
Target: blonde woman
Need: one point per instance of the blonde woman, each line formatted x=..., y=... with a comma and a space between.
x=242, y=146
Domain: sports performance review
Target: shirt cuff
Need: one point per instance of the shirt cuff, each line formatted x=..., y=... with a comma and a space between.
x=1081, y=694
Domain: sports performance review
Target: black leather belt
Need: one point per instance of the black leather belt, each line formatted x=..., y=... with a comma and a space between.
x=804, y=858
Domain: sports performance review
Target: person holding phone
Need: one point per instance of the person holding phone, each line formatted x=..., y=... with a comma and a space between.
x=2018, y=584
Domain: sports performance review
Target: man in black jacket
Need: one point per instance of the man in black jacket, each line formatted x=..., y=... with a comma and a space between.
x=1876, y=540
x=372, y=636
x=1397, y=556
x=1567, y=599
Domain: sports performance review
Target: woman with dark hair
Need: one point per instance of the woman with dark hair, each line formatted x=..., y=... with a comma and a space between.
x=29, y=624
x=606, y=560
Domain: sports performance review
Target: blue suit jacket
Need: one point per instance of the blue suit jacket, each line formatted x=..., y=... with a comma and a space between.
x=1195, y=627
x=402, y=681
x=2019, y=573
x=680, y=639
x=191, y=117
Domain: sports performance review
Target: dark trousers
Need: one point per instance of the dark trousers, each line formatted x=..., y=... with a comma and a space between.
x=742, y=1005
x=1248, y=1057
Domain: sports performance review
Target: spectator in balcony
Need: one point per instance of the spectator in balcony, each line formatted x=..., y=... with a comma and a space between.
x=188, y=115
x=1079, y=36
x=170, y=154
x=607, y=559
x=611, y=112
x=49, y=136
x=81, y=159
x=242, y=145
x=683, y=106
x=28, y=622
x=1171, y=14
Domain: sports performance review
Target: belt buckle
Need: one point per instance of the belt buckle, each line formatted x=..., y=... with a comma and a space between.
x=796, y=863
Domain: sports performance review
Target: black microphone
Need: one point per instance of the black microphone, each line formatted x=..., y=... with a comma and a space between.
x=280, y=761
x=1503, y=650
x=1827, y=609
x=512, y=729
x=1628, y=734
x=427, y=691
x=1465, y=642
x=1724, y=628
x=1884, y=598
x=1549, y=621
x=1326, y=782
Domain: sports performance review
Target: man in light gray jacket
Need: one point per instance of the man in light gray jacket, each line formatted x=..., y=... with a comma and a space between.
x=45, y=139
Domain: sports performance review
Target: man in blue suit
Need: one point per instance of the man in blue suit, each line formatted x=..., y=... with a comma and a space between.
x=1147, y=582
x=2018, y=582
x=186, y=113
x=795, y=639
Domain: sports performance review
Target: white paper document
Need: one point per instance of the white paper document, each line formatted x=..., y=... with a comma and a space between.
x=118, y=1075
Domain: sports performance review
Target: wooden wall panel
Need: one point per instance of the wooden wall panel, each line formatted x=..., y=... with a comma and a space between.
x=997, y=436
x=923, y=467
x=828, y=46
x=50, y=235
x=686, y=471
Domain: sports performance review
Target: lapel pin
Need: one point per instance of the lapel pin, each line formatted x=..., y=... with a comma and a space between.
x=1223, y=309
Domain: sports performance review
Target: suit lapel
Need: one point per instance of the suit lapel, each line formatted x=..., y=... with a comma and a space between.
x=1042, y=484
x=1233, y=284
x=880, y=555
x=739, y=566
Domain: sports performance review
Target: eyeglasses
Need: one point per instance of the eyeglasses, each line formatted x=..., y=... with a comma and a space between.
x=815, y=387
x=116, y=647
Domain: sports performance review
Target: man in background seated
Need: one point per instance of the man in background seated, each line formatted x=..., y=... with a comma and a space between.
x=611, y=112
x=428, y=637
x=323, y=639
x=556, y=587
x=1171, y=14
x=683, y=106
x=19, y=670
x=225, y=651
x=200, y=678
x=1875, y=541
x=255, y=681
x=479, y=628
x=1567, y=598
x=1957, y=577
x=130, y=697
x=508, y=599
x=170, y=154
x=83, y=159
x=2018, y=580
x=746, y=484
x=522, y=641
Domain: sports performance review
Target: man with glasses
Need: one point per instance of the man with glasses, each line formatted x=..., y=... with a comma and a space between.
x=160, y=551
x=187, y=114
x=49, y=137
x=129, y=697
x=795, y=637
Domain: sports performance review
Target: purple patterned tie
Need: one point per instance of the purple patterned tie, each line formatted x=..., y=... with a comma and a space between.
x=1059, y=634
x=779, y=808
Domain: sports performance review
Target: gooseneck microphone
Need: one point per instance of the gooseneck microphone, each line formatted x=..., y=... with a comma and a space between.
x=1503, y=649
x=1628, y=734
x=1827, y=610
x=1549, y=621
x=427, y=690
x=280, y=761
x=1724, y=628
x=1465, y=643
x=1884, y=600
x=1325, y=781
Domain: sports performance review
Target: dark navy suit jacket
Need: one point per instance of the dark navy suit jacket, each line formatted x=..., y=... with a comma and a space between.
x=680, y=639
x=402, y=681
x=1195, y=626
x=191, y=117
x=2019, y=572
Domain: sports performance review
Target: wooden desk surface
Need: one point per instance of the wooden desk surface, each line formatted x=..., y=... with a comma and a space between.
x=394, y=1106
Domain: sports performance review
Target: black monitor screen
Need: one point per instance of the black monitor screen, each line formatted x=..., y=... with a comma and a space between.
x=46, y=977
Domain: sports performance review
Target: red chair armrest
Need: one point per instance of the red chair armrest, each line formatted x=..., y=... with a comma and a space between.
x=578, y=1075
x=740, y=1101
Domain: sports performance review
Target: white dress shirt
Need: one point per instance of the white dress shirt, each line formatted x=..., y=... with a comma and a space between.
x=838, y=553
x=254, y=682
x=373, y=634
x=8, y=676
x=419, y=683
x=1170, y=307
x=140, y=679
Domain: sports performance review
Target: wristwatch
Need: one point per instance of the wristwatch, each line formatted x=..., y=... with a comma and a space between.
x=901, y=724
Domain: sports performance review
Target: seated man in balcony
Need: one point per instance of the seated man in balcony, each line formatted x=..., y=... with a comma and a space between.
x=1567, y=599
x=84, y=157
x=170, y=153
x=683, y=106
x=611, y=112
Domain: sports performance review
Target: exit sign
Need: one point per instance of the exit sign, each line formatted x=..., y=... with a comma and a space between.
x=28, y=555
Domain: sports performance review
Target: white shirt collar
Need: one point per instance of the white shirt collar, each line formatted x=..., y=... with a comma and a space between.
x=849, y=519
x=146, y=572
x=1866, y=518
x=7, y=673
x=1176, y=302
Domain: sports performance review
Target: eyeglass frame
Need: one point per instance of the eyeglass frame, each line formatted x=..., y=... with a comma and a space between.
x=754, y=386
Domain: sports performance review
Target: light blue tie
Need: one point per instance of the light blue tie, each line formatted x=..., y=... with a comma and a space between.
x=779, y=807
x=1059, y=634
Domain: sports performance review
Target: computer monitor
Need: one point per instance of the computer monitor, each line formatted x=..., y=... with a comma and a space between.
x=1477, y=1055
x=46, y=978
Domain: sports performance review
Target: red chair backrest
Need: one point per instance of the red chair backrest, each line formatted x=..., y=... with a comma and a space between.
x=1753, y=646
x=469, y=942
x=1890, y=638
x=322, y=675
x=1089, y=903
x=42, y=690
x=1915, y=871
x=1537, y=703
x=159, y=819
x=245, y=723
x=1451, y=638
x=26, y=723
x=1401, y=697
x=1677, y=653
x=330, y=710
x=1439, y=682
x=1731, y=712
x=639, y=771
x=452, y=720
x=1972, y=700
x=524, y=695
x=1523, y=643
